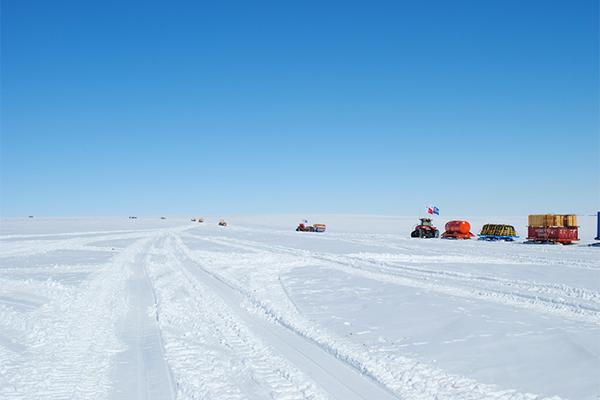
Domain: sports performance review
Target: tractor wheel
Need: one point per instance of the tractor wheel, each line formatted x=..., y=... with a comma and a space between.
x=436, y=234
x=414, y=234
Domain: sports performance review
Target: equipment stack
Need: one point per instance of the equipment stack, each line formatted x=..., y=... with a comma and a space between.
x=553, y=228
x=498, y=232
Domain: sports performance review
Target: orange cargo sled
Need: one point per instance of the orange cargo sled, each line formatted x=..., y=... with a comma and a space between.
x=458, y=230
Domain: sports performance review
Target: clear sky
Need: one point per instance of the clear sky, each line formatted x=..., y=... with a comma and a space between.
x=173, y=107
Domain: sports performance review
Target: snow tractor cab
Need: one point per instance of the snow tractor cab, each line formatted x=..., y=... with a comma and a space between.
x=458, y=230
x=311, y=228
x=222, y=223
x=498, y=232
x=425, y=229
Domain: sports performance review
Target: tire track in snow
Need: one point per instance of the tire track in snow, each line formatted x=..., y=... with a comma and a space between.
x=141, y=371
x=10, y=248
x=409, y=378
x=339, y=379
x=32, y=247
x=71, y=340
x=403, y=244
x=590, y=300
x=579, y=260
x=573, y=303
x=212, y=352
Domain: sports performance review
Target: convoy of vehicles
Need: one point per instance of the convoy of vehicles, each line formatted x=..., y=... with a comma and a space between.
x=541, y=228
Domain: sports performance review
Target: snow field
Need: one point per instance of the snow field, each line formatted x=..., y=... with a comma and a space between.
x=113, y=309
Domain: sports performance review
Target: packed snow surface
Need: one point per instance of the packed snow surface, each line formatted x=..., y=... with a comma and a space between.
x=174, y=309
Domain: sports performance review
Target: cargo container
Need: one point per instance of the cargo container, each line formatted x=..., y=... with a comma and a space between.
x=552, y=228
x=498, y=232
x=458, y=230
x=553, y=234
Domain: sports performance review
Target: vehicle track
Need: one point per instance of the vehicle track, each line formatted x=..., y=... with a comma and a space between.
x=141, y=370
x=213, y=353
x=575, y=303
x=402, y=244
x=64, y=355
x=337, y=378
x=409, y=378
x=20, y=248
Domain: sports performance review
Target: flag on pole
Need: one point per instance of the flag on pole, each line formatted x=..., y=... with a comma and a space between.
x=433, y=210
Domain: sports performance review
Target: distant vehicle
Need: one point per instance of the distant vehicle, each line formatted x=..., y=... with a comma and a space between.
x=193, y=220
x=311, y=228
x=200, y=220
x=163, y=217
x=458, y=230
x=425, y=229
x=493, y=232
x=31, y=216
x=222, y=223
x=132, y=217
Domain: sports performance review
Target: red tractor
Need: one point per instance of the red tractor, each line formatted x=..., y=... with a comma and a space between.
x=425, y=230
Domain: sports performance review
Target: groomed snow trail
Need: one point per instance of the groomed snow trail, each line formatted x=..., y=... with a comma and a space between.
x=207, y=328
x=340, y=380
x=141, y=371
x=67, y=342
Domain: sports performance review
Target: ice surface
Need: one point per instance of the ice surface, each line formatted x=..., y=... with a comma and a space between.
x=150, y=308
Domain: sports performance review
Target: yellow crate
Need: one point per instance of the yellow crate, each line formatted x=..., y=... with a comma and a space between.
x=564, y=220
x=569, y=220
x=540, y=220
x=533, y=220
x=558, y=220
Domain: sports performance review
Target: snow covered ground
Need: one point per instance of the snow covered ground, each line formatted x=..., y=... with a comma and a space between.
x=170, y=309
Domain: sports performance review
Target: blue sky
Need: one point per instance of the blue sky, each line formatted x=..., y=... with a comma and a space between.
x=118, y=108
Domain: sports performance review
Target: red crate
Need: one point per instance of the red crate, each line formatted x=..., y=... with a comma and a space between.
x=553, y=234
